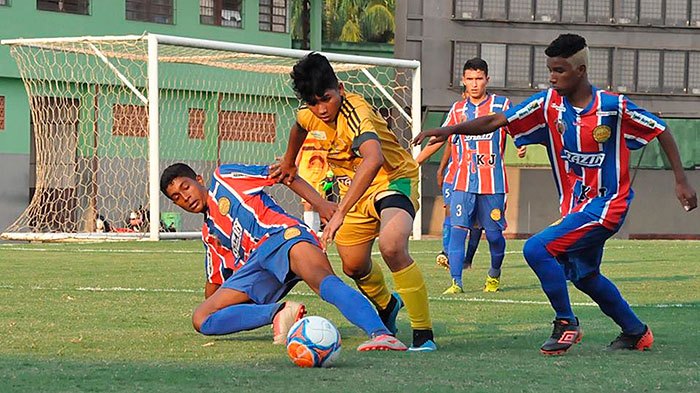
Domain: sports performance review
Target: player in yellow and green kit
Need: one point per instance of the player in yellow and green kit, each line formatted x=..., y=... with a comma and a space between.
x=378, y=181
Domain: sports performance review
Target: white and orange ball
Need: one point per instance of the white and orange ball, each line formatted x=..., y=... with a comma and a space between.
x=313, y=342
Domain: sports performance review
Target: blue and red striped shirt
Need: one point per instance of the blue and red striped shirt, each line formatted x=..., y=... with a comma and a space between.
x=589, y=148
x=478, y=159
x=240, y=217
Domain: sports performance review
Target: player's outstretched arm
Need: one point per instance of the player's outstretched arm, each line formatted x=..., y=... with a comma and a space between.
x=287, y=169
x=479, y=126
x=684, y=191
x=444, y=160
x=428, y=152
x=325, y=208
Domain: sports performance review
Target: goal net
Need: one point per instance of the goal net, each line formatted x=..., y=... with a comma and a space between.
x=109, y=113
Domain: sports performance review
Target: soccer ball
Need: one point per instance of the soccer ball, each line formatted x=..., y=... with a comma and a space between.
x=313, y=342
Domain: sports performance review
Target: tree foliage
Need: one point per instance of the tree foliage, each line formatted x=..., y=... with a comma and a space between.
x=351, y=20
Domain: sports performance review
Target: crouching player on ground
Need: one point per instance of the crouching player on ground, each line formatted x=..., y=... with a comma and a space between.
x=256, y=253
x=588, y=134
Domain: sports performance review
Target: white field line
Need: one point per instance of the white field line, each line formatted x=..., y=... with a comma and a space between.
x=456, y=299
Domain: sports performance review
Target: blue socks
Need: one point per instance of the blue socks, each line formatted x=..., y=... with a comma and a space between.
x=497, y=245
x=455, y=254
x=355, y=307
x=239, y=317
x=472, y=245
x=446, y=227
x=605, y=293
x=551, y=276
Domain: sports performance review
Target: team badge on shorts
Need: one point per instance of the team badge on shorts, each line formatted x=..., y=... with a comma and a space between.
x=495, y=214
x=601, y=133
x=291, y=233
x=224, y=205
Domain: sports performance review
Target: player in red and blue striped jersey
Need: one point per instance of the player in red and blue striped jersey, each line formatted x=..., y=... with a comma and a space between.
x=255, y=253
x=588, y=134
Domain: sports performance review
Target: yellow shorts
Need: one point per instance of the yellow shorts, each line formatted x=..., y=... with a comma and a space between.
x=362, y=222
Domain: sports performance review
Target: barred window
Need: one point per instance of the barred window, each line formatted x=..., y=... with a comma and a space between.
x=195, y=124
x=599, y=67
x=650, y=12
x=519, y=66
x=2, y=112
x=674, y=72
x=495, y=56
x=461, y=52
x=467, y=9
x=676, y=13
x=573, y=11
x=129, y=120
x=157, y=11
x=625, y=60
x=247, y=126
x=648, y=70
x=4, y=2
x=520, y=10
x=81, y=7
x=225, y=13
x=273, y=15
x=540, y=74
x=628, y=11
x=547, y=10
x=494, y=9
x=599, y=11
x=695, y=13
x=694, y=77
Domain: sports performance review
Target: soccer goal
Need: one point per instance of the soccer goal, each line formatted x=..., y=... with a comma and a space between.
x=108, y=113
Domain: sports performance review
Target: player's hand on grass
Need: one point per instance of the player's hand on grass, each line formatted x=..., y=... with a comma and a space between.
x=687, y=196
x=283, y=171
x=436, y=136
x=332, y=227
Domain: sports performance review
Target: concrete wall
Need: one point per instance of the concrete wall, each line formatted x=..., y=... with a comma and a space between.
x=533, y=204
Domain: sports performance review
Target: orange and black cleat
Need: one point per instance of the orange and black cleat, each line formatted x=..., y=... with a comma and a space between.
x=565, y=334
x=640, y=342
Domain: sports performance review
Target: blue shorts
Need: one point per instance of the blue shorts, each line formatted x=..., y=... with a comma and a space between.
x=471, y=210
x=446, y=193
x=266, y=277
x=576, y=241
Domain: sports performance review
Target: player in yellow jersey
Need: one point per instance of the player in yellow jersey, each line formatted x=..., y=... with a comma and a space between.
x=378, y=182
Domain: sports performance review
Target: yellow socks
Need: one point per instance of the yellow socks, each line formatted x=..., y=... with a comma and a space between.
x=411, y=287
x=374, y=287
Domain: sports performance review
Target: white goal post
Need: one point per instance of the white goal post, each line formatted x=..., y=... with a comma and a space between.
x=109, y=113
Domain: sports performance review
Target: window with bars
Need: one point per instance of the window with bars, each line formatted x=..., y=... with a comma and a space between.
x=461, y=52
x=2, y=112
x=520, y=10
x=227, y=13
x=495, y=57
x=81, y=7
x=625, y=60
x=547, y=10
x=273, y=16
x=540, y=73
x=247, y=126
x=129, y=120
x=195, y=124
x=628, y=12
x=494, y=9
x=519, y=66
x=4, y=2
x=156, y=11
x=651, y=12
x=467, y=9
x=648, y=71
x=695, y=13
x=599, y=67
x=694, y=77
x=599, y=11
x=676, y=13
x=573, y=11
x=674, y=72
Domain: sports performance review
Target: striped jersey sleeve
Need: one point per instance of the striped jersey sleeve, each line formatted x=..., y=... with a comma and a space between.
x=639, y=126
x=526, y=121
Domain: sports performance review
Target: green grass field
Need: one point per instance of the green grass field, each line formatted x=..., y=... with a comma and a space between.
x=116, y=317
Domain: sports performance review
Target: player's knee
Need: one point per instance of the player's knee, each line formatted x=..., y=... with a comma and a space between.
x=198, y=319
x=356, y=272
x=534, y=250
x=494, y=236
x=393, y=252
